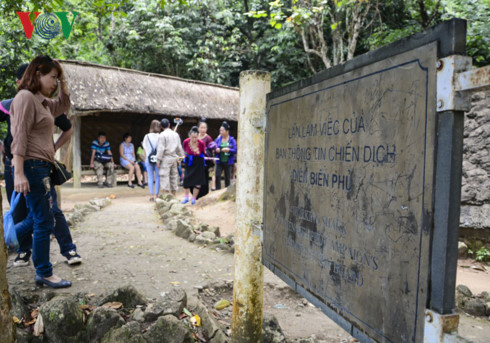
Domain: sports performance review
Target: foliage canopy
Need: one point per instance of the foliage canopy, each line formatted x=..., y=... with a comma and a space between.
x=214, y=40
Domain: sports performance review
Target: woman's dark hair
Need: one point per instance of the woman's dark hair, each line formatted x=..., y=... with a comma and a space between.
x=126, y=135
x=21, y=71
x=165, y=123
x=193, y=130
x=43, y=64
x=225, y=126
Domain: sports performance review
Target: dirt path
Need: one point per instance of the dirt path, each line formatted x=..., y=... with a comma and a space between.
x=125, y=243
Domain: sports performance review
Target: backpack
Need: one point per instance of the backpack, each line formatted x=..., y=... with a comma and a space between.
x=152, y=157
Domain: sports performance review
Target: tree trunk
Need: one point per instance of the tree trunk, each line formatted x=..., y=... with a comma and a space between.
x=7, y=329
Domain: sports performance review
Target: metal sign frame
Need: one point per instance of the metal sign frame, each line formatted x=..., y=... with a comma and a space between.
x=451, y=40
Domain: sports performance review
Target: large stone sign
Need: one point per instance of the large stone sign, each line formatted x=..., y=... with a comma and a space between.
x=348, y=202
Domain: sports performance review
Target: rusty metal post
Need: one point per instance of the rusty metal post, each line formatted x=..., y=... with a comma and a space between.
x=248, y=273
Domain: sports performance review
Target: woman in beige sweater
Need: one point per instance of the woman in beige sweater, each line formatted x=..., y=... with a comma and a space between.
x=32, y=125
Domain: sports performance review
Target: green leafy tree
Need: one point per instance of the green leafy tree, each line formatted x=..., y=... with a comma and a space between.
x=400, y=19
x=477, y=13
x=330, y=30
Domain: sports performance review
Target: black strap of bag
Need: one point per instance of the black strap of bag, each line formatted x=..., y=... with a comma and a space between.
x=152, y=157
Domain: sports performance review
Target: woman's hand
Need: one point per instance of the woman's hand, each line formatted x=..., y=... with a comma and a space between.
x=217, y=150
x=226, y=149
x=21, y=184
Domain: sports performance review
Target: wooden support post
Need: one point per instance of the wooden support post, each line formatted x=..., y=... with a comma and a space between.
x=249, y=275
x=77, y=151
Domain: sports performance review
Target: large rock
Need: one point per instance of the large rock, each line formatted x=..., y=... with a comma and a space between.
x=215, y=230
x=138, y=315
x=230, y=238
x=179, y=210
x=153, y=311
x=209, y=235
x=23, y=336
x=462, y=249
x=168, y=329
x=271, y=331
x=171, y=224
x=461, y=300
x=204, y=238
x=208, y=323
x=172, y=303
x=183, y=229
x=164, y=215
x=84, y=209
x=475, y=307
x=100, y=202
x=203, y=227
x=220, y=337
x=129, y=333
x=62, y=318
x=19, y=308
x=93, y=208
x=464, y=290
x=101, y=321
x=127, y=295
x=73, y=218
x=167, y=197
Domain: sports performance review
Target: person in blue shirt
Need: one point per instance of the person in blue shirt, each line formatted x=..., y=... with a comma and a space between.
x=102, y=159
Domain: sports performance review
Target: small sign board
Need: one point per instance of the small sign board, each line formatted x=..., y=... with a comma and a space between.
x=348, y=200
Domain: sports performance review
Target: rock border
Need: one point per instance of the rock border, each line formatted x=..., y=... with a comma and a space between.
x=116, y=317
x=80, y=210
x=178, y=219
x=477, y=305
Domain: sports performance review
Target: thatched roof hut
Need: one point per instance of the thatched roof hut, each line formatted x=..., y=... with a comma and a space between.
x=96, y=88
x=117, y=100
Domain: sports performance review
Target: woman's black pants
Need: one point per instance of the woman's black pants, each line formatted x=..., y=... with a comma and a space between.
x=219, y=169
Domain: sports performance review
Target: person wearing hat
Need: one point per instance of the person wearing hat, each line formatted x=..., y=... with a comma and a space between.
x=168, y=152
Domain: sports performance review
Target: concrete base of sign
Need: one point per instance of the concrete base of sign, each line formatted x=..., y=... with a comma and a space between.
x=442, y=328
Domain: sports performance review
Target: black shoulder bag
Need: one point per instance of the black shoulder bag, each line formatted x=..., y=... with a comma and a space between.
x=59, y=174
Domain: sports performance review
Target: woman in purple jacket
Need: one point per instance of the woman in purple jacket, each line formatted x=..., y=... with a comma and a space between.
x=225, y=151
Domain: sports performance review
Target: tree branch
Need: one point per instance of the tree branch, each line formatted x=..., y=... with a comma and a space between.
x=423, y=13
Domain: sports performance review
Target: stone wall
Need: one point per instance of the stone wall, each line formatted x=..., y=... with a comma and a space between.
x=475, y=193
